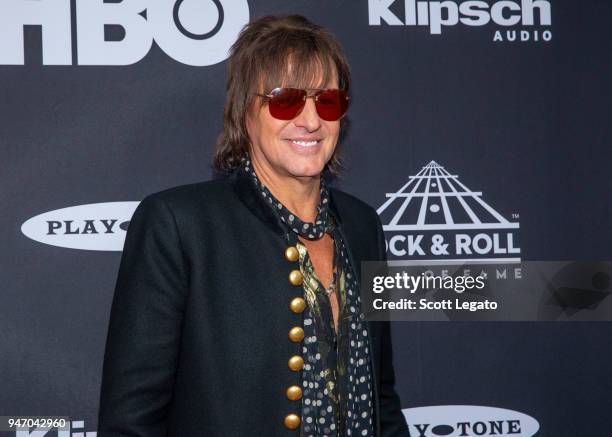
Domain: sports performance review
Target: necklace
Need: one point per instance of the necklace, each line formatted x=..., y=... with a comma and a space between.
x=332, y=285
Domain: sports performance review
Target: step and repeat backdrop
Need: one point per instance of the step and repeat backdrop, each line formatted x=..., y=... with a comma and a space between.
x=502, y=107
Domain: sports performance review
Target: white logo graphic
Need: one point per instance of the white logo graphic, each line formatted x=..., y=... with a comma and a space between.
x=194, y=32
x=439, y=14
x=435, y=200
x=96, y=226
x=468, y=421
x=434, y=186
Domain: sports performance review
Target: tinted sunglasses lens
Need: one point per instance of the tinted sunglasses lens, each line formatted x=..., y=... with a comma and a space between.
x=332, y=104
x=286, y=103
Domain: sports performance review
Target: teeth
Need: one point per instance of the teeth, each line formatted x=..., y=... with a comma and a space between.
x=305, y=143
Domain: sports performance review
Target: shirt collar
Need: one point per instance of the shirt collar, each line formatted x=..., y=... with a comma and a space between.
x=254, y=201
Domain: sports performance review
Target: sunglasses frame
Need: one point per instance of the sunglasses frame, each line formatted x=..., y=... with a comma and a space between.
x=314, y=96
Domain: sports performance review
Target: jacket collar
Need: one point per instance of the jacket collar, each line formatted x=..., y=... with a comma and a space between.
x=247, y=193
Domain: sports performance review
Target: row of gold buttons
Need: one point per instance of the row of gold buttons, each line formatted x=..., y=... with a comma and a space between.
x=296, y=335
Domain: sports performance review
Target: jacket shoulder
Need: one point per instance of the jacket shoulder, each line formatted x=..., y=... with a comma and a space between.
x=199, y=195
x=363, y=224
x=349, y=206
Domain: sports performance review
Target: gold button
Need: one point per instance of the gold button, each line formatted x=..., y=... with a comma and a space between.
x=295, y=277
x=292, y=421
x=296, y=363
x=296, y=334
x=294, y=393
x=292, y=254
x=297, y=305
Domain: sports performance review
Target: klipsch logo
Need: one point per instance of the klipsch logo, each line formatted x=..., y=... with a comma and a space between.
x=434, y=216
x=527, y=20
x=194, y=32
x=96, y=226
x=468, y=421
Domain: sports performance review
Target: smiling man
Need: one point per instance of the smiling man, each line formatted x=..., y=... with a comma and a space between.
x=237, y=308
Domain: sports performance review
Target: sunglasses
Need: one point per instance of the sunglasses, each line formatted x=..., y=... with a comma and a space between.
x=287, y=103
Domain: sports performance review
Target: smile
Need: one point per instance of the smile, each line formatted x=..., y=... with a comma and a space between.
x=303, y=143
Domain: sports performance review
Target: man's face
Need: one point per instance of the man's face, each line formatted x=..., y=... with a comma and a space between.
x=299, y=147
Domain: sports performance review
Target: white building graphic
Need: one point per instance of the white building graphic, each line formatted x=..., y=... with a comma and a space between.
x=434, y=199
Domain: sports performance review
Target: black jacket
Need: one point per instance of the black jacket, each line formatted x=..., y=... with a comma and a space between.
x=197, y=343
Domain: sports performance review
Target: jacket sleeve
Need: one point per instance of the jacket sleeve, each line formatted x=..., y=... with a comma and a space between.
x=142, y=345
x=392, y=421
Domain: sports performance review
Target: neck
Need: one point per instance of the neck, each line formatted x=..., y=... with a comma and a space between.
x=300, y=195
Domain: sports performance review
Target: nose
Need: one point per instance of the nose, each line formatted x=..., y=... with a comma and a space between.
x=308, y=118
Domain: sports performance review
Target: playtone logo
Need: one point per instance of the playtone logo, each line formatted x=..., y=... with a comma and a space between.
x=194, y=32
x=468, y=421
x=435, y=217
x=439, y=14
x=95, y=226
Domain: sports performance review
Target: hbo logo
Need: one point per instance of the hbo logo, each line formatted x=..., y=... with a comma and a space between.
x=194, y=32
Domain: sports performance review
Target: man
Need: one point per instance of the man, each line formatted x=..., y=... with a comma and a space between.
x=237, y=305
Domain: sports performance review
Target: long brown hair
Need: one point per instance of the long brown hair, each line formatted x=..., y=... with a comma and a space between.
x=260, y=56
